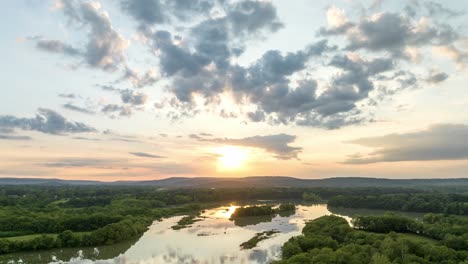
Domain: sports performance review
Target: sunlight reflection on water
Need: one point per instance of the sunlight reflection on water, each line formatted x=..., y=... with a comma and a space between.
x=213, y=239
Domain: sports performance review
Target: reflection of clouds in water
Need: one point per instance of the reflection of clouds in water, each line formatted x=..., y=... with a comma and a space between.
x=265, y=255
x=172, y=256
x=260, y=256
x=213, y=240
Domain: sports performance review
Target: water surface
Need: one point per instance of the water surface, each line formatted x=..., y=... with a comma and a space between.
x=213, y=239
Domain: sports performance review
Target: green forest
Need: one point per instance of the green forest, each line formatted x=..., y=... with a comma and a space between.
x=44, y=217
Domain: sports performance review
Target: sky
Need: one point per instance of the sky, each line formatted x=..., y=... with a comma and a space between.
x=147, y=89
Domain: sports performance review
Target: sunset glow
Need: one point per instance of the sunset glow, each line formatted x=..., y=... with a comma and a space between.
x=231, y=158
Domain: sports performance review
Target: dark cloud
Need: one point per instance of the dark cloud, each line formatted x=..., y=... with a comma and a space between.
x=146, y=155
x=206, y=83
x=7, y=130
x=215, y=39
x=145, y=11
x=186, y=9
x=195, y=136
x=175, y=59
x=132, y=97
x=277, y=144
x=104, y=48
x=14, y=137
x=437, y=77
x=68, y=96
x=247, y=17
x=244, y=17
x=394, y=33
x=256, y=116
x=121, y=109
x=46, y=121
x=73, y=107
x=265, y=84
x=86, y=138
x=131, y=100
x=438, y=142
x=150, y=12
x=211, y=38
x=437, y=9
x=139, y=81
x=56, y=46
x=82, y=162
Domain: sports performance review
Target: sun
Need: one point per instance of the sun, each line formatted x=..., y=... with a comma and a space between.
x=231, y=158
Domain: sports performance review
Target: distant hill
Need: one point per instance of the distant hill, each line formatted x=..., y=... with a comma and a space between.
x=257, y=181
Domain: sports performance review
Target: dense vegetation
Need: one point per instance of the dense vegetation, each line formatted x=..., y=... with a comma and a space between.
x=329, y=239
x=418, y=202
x=186, y=221
x=33, y=218
x=262, y=210
x=41, y=217
x=251, y=243
x=451, y=230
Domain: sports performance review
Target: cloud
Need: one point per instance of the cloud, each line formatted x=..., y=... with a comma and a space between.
x=265, y=84
x=122, y=109
x=82, y=162
x=195, y=136
x=104, y=48
x=244, y=17
x=145, y=11
x=56, y=46
x=86, y=138
x=277, y=144
x=392, y=32
x=151, y=12
x=14, y=137
x=453, y=52
x=148, y=78
x=437, y=9
x=175, y=59
x=247, y=17
x=437, y=77
x=68, y=95
x=146, y=155
x=73, y=107
x=438, y=142
x=46, y=121
x=7, y=130
x=197, y=44
x=336, y=18
x=132, y=97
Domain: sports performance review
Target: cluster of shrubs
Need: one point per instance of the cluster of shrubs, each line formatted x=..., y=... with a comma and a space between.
x=330, y=239
x=262, y=210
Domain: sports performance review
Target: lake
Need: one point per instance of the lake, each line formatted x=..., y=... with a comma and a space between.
x=213, y=239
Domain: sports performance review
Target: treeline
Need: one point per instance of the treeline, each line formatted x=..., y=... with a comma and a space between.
x=129, y=226
x=451, y=230
x=419, y=202
x=109, y=234
x=45, y=209
x=330, y=240
x=262, y=210
x=51, y=223
x=89, y=196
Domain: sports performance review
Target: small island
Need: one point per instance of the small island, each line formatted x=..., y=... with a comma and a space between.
x=262, y=210
x=251, y=243
x=186, y=221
